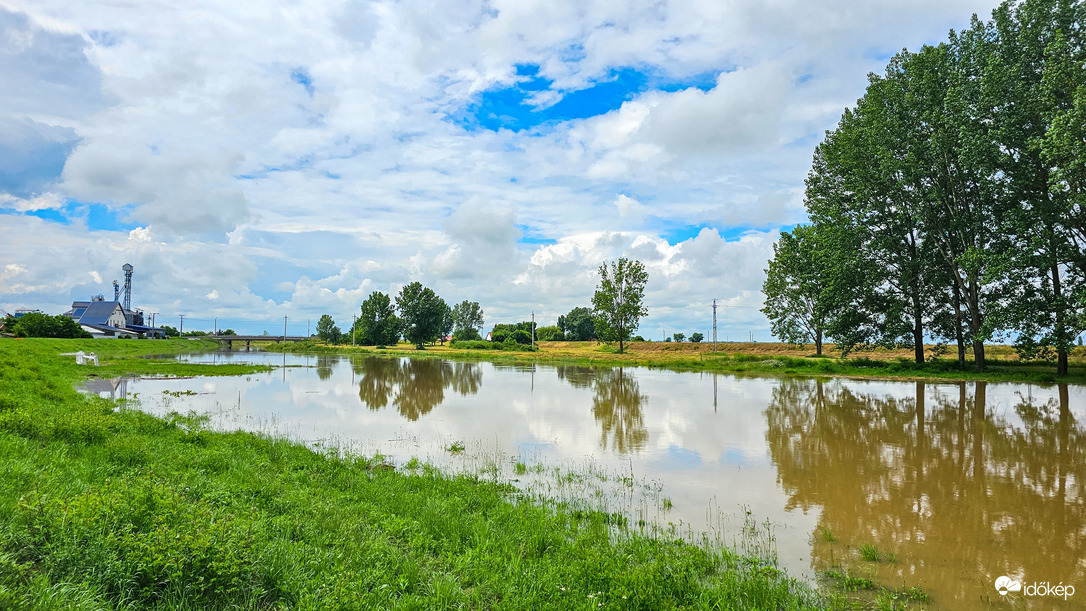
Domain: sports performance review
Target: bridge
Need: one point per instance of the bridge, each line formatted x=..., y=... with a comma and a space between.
x=230, y=339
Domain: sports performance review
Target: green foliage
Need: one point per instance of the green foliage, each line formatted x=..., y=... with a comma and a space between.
x=327, y=331
x=617, y=304
x=520, y=333
x=378, y=325
x=549, y=334
x=795, y=300
x=170, y=331
x=36, y=324
x=424, y=314
x=679, y=337
x=467, y=320
x=466, y=335
x=578, y=326
x=696, y=337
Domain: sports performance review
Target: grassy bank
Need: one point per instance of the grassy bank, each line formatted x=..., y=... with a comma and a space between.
x=749, y=358
x=107, y=508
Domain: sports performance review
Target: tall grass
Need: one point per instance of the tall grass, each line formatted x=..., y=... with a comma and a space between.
x=103, y=507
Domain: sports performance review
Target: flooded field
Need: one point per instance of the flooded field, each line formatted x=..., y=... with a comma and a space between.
x=948, y=486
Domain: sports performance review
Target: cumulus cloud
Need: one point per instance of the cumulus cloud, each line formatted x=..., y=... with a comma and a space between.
x=291, y=159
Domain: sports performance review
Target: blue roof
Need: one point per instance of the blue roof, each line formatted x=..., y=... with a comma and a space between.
x=98, y=312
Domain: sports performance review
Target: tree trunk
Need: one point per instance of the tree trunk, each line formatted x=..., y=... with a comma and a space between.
x=918, y=322
x=1062, y=340
x=975, y=323
x=818, y=342
x=918, y=340
x=956, y=298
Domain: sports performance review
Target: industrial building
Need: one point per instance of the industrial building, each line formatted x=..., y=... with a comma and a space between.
x=115, y=318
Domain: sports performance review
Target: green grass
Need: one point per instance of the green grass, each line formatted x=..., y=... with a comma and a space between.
x=871, y=553
x=107, y=509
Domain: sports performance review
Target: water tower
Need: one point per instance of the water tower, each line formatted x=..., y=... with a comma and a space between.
x=127, y=305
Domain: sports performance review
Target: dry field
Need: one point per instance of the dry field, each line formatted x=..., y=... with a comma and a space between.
x=688, y=349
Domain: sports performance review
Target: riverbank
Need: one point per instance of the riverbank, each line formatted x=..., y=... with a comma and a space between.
x=103, y=507
x=747, y=358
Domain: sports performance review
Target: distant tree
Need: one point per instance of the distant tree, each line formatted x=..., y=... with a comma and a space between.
x=680, y=337
x=327, y=331
x=378, y=325
x=617, y=304
x=448, y=323
x=466, y=335
x=521, y=332
x=423, y=314
x=36, y=324
x=548, y=334
x=228, y=332
x=795, y=302
x=578, y=325
x=637, y=338
x=667, y=340
x=170, y=331
x=467, y=317
x=696, y=337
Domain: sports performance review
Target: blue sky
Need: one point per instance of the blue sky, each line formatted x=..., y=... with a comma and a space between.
x=271, y=159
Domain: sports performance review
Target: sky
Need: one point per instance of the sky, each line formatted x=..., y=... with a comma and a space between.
x=261, y=160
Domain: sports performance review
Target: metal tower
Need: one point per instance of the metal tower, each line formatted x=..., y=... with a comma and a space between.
x=127, y=305
x=116, y=291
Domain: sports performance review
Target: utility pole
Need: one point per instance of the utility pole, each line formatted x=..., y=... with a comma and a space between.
x=307, y=333
x=354, y=324
x=284, y=329
x=181, y=332
x=714, y=325
x=216, y=325
x=533, y=329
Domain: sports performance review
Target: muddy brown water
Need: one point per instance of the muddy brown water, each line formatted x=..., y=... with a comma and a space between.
x=953, y=484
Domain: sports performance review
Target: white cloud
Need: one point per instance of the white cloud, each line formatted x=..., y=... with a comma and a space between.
x=291, y=159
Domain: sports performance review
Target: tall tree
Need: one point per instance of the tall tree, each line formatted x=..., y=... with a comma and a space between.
x=422, y=312
x=618, y=302
x=327, y=331
x=578, y=325
x=796, y=300
x=1032, y=76
x=467, y=320
x=378, y=325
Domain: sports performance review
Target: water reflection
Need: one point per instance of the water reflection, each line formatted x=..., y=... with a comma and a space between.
x=325, y=363
x=414, y=386
x=953, y=488
x=616, y=405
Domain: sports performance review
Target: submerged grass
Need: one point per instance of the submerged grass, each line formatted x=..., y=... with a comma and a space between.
x=107, y=508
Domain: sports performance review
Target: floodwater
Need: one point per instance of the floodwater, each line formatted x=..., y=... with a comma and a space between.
x=954, y=484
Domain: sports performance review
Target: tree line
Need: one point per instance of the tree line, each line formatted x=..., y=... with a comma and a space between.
x=422, y=317
x=950, y=202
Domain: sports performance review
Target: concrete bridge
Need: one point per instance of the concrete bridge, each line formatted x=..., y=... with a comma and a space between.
x=230, y=339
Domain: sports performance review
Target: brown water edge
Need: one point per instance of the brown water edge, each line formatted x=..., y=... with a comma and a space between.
x=952, y=484
x=952, y=488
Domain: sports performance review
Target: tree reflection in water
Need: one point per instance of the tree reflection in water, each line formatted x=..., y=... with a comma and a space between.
x=960, y=494
x=415, y=386
x=325, y=363
x=616, y=405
